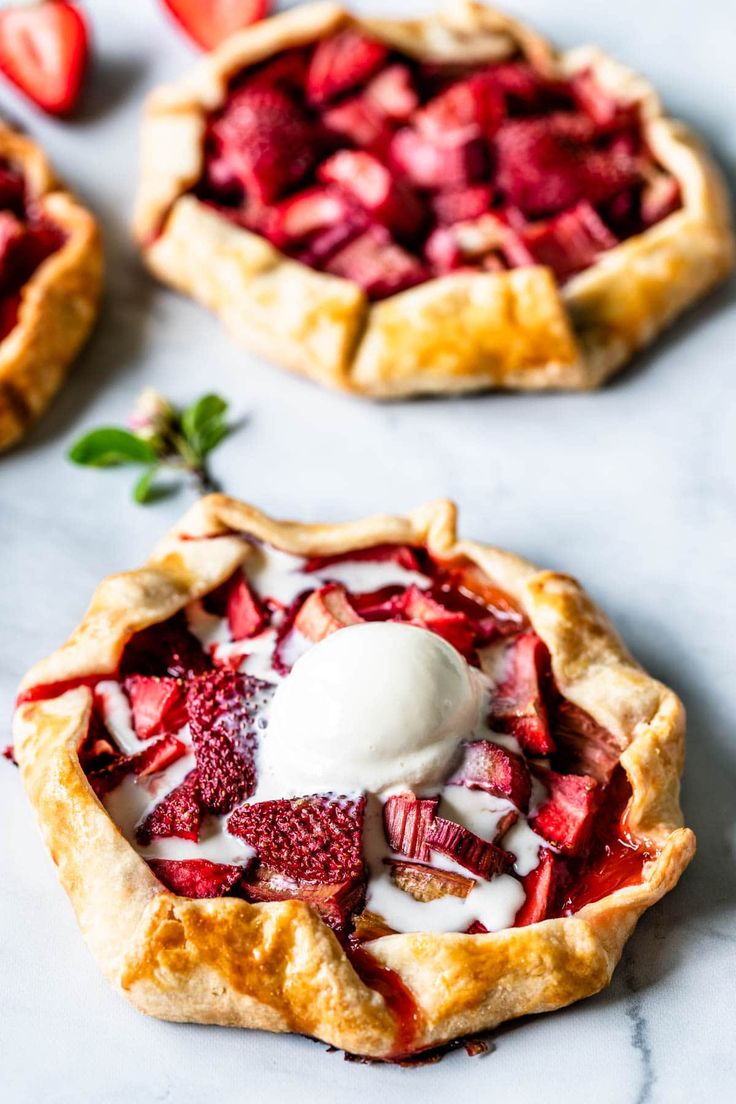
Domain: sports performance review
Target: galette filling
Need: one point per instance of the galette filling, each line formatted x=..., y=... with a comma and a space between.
x=26, y=239
x=378, y=734
x=362, y=162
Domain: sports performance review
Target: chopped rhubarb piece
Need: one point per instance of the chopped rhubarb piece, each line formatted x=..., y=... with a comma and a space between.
x=600, y=105
x=341, y=62
x=584, y=745
x=157, y=704
x=406, y=821
x=402, y=554
x=392, y=92
x=486, y=766
x=462, y=204
x=443, y=252
x=539, y=885
x=323, y=245
x=360, y=122
x=369, y=925
x=313, y=839
x=222, y=708
x=179, y=814
x=477, y=103
x=165, y=649
x=324, y=612
x=196, y=877
x=268, y=141
x=505, y=824
x=378, y=264
x=370, y=184
x=105, y=773
x=245, y=614
x=453, y=161
x=566, y=816
x=420, y=608
x=335, y=902
x=426, y=883
x=518, y=705
x=477, y=855
x=660, y=197
x=571, y=241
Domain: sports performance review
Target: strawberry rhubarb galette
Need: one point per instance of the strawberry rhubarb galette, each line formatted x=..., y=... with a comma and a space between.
x=50, y=277
x=440, y=205
x=365, y=782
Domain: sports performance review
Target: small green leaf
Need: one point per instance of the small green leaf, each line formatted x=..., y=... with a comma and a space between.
x=106, y=447
x=203, y=423
x=142, y=489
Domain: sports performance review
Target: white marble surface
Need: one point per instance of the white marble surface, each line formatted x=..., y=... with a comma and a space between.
x=632, y=489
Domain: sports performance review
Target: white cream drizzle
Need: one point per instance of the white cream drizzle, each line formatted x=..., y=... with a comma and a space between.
x=116, y=713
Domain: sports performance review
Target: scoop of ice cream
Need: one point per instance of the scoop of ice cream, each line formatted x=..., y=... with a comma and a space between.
x=371, y=706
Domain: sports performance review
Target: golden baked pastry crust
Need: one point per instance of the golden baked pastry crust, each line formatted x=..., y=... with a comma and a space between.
x=514, y=329
x=277, y=966
x=58, y=303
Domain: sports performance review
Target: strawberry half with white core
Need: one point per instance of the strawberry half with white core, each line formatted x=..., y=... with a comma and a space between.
x=210, y=22
x=44, y=50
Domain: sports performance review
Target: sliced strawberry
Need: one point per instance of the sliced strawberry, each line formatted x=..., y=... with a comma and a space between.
x=406, y=822
x=539, y=885
x=267, y=140
x=477, y=855
x=425, y=883
x=166, y=649
x=179, y=814
x=43, y=50
x=454, y=161
x=222, y=707
x=106, y=775
x=570, y=242
x=157, y=704
x=324, y=612
x=360, y=122
x=420, y=608
x=518, y=706
x=245, y=614
x=209, y=24
x=462, y=204
x=392, y=92
x=335, y=902
x=660, y=197
x=486, y=766
x=196, y=878
x=313, y=839
x=370, y=184
x=341, y=62
x=477, y=103
x=565, y=818
x=378, y=264
x=307, y=213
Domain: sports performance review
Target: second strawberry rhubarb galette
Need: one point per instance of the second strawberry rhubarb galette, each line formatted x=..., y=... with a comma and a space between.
x=440, y=205
x=365, y=782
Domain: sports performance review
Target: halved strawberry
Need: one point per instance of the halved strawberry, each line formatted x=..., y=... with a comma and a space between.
x=540, y=886
x=313, y=839
x=157, y=704
x=324, y=612
x=245, y=614
x=392, y=92
x=335, y=902
x=406, y=822
x=486, y=766
x=197, y=878
x=165, y=649
x=378, y=264
x=43, y=50
x=565, y=818
x=570, y=242
x=477, y=855
x=461, y=204
x=210, y=23
x=426, y=883
x=266, y=138
x=222, y=707
x=105, y=776
x=341, y=62
x=459, y=159
x=370, y=184
x=179, y=814
x=360, y=122
x=518, y=705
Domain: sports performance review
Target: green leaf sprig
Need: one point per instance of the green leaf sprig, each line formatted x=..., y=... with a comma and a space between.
x=162, y=438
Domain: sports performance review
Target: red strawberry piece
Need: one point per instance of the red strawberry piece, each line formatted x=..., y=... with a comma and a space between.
x=287, y=69
x=308, y=839
x=462, y=204
x=539, y=885
x=106, y=773
x=267, y=139
x=406, y=822
x=43, y=51
x=518, y=705
x=179, y=814
x=341, y=62
x=196, y=878
x=370, y=184
x=659, y=198
x=426, y=883
x=284, y=634
x=165, y=649
x=209, y=24
x=420, y=608
x=585, y=747
x=324, y=612
x=378, y=264
x=361, y=123
x=520, y=84
x=476, y=103
x=486, y=766
x=443, y=252
x=570, y=242
x=402, y=554
x=476, y=928
x=157, y=705
x=393, y=94
x=565, y=818
x=307, y=213
x=245, y=615
x=222, y=707
x=477, y=855
x=454, y=160
x=335, y=902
